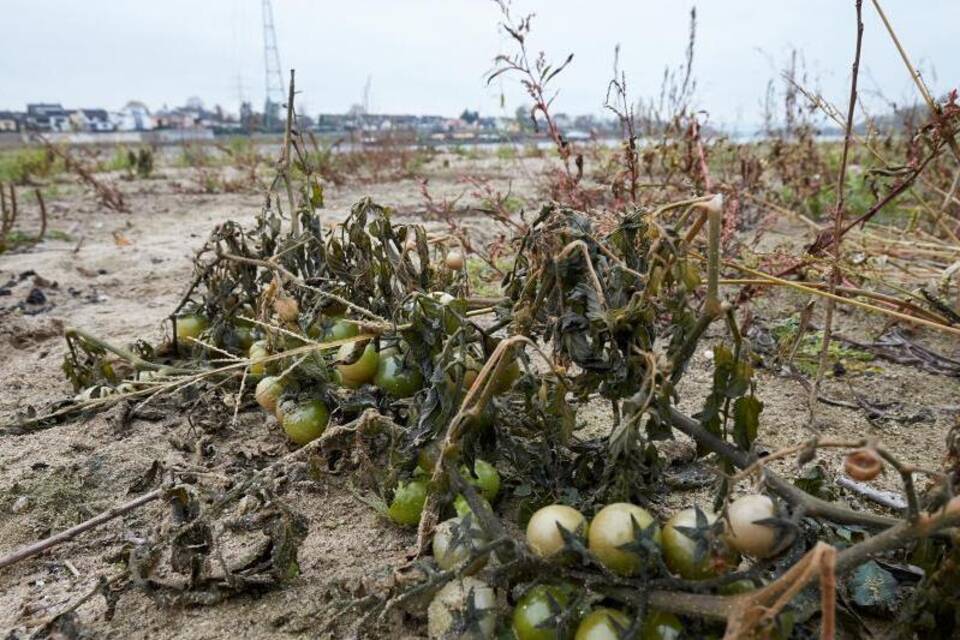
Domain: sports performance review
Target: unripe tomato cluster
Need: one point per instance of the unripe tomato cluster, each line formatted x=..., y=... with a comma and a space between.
x=409, y=497
x=384, y=364
x=624, y=538
x=355, y=365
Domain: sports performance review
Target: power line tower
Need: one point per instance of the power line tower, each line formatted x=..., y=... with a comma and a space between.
x=275, y=88
x=366, y=95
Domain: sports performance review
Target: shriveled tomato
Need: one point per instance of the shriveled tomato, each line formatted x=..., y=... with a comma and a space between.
x=287, y=308
x=455, y=541
x=304, y=421
x=454, y=260
x=459, y=600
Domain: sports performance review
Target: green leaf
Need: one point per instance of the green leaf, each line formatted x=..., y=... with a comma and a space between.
x=316, y=195
x=813, y=480
x=746, y=420
x=739, y=381
x=872, y=586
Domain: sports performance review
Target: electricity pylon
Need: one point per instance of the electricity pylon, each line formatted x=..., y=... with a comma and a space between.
x=275, y=91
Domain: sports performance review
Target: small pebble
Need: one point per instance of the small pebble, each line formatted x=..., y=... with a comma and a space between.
x=20, y=505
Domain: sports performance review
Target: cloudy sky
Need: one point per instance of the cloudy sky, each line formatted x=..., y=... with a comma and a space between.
x=430, y=56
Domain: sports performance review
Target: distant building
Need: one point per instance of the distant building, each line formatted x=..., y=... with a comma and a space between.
x=356, y=120
x=11, y=121
x=134, y=116
x=47, y=117
x=94, y=120
x=177, y=118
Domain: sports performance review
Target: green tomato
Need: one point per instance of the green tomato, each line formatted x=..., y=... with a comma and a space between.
x=536, y=610
x=408, y=500
x=503, y=382
x=463, y=366
x=462, y=507
x=305, y=421
x=332, y=328
x=615, y=526
x=360, y=372
x=191, y=326
x=341, y=330
x=395, y=379
x=543, y=533
x=660, y=625
x=427, y=457
x=292, y=341
x=738, y=587
x=486, y=478
x=603, y=624
x=238, y=338
x=446, y=309
x=679, y=550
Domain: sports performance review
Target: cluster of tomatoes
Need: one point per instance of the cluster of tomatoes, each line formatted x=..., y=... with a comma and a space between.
x=622, y=537
x=305, y=420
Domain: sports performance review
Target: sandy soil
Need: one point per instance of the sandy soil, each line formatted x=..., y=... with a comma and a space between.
x=118, y=275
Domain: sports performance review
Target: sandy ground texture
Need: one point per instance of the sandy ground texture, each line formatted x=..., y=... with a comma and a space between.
x=119, y=275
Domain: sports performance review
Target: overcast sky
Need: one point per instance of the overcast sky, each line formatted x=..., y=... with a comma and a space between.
x=430, y=56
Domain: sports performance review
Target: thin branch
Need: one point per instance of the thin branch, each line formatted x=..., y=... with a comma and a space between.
x=65, y=536
x=838, y=219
